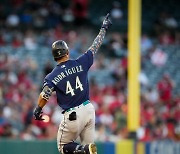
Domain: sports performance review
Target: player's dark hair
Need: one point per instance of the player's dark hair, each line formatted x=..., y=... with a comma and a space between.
x=56, y=59
x=59, y=58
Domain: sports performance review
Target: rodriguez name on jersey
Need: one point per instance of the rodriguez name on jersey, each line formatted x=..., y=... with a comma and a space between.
x=66, y=73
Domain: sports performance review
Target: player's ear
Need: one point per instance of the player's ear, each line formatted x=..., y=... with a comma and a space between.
x=67, y=55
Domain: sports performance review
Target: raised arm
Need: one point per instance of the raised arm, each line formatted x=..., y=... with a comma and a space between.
x=100, y=37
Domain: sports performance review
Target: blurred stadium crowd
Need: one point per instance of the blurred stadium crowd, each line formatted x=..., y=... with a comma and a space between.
x=27, y=30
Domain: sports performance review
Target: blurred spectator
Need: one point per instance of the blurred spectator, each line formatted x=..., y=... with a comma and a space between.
x=116, y=12
x=164, y=24
x=68, y=16
x=116, y=45
x=80, y=11
x=27, y=134
x=144, y=81
x=12, y=20
x=26, y=18
x=177, y=38
x=159, y=57
x=165, y=87
x=165, y=38
x=48, y=68
x=17, y=41
x=101, y=133
x=146, y=43
x=121, y=117
x=3, y=60
x=170, y=22
x=106, y=117
x=2, y=40
x=152, y=95
x=29, y=40
x=7, y=131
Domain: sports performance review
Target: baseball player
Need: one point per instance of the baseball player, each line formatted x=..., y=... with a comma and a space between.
x=69, y=80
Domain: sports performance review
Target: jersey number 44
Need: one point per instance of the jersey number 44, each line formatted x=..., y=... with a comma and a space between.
x=70, y=89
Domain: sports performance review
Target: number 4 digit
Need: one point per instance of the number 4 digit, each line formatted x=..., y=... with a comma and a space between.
x=69, y=89
x=78, y=84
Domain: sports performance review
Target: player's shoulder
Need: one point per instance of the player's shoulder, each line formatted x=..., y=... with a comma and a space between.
x=88, y=53
x=48, y=76
x=51, y=74
x=58, y=69
x=85, y=55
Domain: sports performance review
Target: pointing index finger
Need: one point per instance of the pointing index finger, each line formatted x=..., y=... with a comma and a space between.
x=107, y=16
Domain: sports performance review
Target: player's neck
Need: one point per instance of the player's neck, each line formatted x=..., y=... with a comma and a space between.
x=64, y=59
